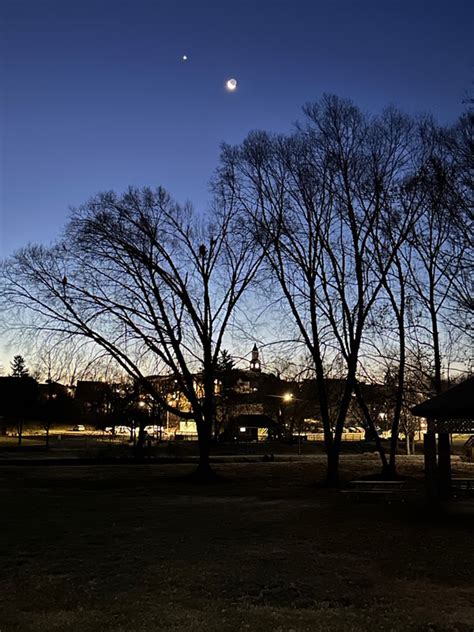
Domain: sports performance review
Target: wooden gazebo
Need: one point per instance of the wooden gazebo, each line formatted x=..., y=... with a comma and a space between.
x=449, y=412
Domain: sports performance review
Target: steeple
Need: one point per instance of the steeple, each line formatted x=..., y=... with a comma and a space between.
x=255, y=362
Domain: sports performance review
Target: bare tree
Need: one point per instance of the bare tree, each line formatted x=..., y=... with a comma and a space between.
x=460, y=146
x=330, y=206
x=424, y=320
x=151, y=283
x=67, y=360
x=440, y=245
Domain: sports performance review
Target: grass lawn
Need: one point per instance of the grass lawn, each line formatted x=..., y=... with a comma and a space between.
x=140, y=548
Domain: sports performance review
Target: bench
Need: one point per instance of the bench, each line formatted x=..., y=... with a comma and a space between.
x=375, y=489
x=464, y=485
x=377, y=485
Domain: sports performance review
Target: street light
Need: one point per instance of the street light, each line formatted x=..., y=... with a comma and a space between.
x=288, y=398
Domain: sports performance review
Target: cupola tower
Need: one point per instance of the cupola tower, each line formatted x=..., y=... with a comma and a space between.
x=255, y=361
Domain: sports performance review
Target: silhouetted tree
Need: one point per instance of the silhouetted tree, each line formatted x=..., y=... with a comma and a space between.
x=439, y=243
x=18, y=367
x=226, y=362
x=225, y=375
x=150, y=282
x=329, y=207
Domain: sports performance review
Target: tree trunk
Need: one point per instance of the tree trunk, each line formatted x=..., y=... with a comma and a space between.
x=435, y=334
x=399, y=311
x=394, y=443
x=333, y=443
x=333, y=464
x=204, y=472
x=139, y=443
x=204, y=422
x=332, y=475
x=444, y=465
x=431, y=466
x=373, y=430
x=397, y=413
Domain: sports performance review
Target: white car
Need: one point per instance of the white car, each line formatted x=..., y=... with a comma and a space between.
x=122, y=430
x=153, y=430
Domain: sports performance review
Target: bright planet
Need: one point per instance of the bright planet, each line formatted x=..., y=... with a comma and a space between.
x=231, y=85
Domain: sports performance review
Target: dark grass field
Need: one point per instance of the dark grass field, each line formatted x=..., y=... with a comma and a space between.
x=140, y=548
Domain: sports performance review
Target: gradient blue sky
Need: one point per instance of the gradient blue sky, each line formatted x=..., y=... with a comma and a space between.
x=95, y=95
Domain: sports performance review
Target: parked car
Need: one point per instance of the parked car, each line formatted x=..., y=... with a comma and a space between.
x=122, y=430
x=79, y=428
x=153, y=430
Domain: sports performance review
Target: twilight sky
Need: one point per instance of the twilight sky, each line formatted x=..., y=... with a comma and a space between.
x=95, y=95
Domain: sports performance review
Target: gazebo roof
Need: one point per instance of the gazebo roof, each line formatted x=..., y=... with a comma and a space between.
x=457, y=403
